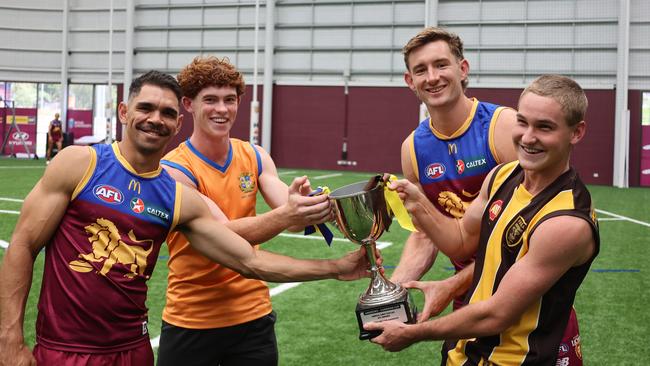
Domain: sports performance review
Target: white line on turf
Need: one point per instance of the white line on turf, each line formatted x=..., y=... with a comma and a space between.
x=623, y=218
x=285, y=286
x=10, y=212
x=610, y=219
x=287, y=173
x=10, y=199
x=328, y=176
x=22, y=167
x=4, y=244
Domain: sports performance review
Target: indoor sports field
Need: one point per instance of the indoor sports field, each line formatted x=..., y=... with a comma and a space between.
x=316, y=321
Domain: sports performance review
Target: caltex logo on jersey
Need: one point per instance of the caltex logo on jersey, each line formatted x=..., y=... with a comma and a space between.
x=435, y=171
x=495, y=209
x=460, y=166
x=108, y=194
x=137, y=205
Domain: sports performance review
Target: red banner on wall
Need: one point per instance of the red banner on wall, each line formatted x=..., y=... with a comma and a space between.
x=645, y=156
x=26, y=120
x=80, y=122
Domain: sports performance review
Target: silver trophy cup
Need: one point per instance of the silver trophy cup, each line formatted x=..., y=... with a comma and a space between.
x=362, y=216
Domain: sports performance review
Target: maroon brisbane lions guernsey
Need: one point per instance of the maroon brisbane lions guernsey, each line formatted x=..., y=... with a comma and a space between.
x=99, y=260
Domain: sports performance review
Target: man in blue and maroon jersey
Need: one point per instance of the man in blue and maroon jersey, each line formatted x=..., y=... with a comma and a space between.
x=448, y=157
x=54, y=137
x=102, y=213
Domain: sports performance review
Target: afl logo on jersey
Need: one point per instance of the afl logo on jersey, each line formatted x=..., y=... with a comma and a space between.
x=108, y=194
x=137, y=205
x=435, y=171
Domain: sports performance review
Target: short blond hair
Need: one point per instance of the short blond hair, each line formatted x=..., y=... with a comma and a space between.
x=565, y=91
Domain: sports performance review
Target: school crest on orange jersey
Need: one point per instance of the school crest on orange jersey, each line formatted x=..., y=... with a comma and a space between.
x=246, y=182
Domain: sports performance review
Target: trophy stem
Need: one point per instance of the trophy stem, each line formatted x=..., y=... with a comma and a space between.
x=380, y=287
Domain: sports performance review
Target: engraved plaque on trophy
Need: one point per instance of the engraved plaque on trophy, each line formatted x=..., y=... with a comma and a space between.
x=362, y=216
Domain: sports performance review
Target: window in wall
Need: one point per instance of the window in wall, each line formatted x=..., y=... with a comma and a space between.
x=645, y=109
x=103, y=110
x=80, y=97
x=23, y=94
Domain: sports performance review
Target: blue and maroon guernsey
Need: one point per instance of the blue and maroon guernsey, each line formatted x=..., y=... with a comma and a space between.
x=99, y=259
x=451, y=169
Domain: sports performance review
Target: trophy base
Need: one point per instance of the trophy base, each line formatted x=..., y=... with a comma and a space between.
x=402, y=310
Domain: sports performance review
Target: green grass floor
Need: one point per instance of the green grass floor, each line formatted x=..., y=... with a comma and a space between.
x=316, y=321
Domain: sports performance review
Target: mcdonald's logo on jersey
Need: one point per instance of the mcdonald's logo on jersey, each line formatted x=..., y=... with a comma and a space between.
x=452, y=149
x=134, y=185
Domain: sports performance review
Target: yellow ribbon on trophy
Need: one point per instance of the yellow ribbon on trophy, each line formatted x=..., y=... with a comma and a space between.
x=396, y=206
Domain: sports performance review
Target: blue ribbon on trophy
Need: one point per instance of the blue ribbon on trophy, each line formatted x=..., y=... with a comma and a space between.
x=321, y=228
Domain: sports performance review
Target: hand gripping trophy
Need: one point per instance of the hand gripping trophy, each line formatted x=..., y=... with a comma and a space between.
x=362, y=215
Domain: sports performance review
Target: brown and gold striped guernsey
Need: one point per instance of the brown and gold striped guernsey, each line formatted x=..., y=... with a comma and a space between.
x=509, y=220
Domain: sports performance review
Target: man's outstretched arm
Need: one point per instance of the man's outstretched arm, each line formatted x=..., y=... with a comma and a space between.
x=40, y=215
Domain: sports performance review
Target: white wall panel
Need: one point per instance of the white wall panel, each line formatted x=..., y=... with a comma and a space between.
x=293, y=14
x=500, y=10
x=640, y=35
x=600, y=34
x=45, y=4
x=599, y=61
x=639, y=10
x=332, y=14
x=90, y=4
x=640, y=64
x=95, y=61
x=220, y=38
x=398, y=63
x=469, y=34
x=185, y=39
x=30, y=19
x=95, y=19
x=334, y=61
x=549, y=61
x=337, y=37
x=594, y=9
x=372, y=13
x=247, y=38
x=150, y=39
x=19, y=39
x=465, y=10
x=503, y=35
x=150, y=60
x=292, y=60
x=550, y=10
x=178, y=60
x=94, y=41
x=151, y=17
x=373, y=37
x=403, y=34
x=292, y=37
x=185, y=17
x=370, y=61
x=409, y=13
x=221, y=16
x=543, y=35
x=14, y=59
x=508, y=61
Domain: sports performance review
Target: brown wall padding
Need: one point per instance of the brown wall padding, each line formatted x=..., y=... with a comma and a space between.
x=309, y=122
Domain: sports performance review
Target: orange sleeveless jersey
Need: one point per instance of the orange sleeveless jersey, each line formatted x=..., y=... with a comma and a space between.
x=200, y=293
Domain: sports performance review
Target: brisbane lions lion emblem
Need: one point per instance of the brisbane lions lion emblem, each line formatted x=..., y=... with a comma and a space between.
x=109, y=248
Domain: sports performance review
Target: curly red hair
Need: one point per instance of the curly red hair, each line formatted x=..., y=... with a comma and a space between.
x=205, y=71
